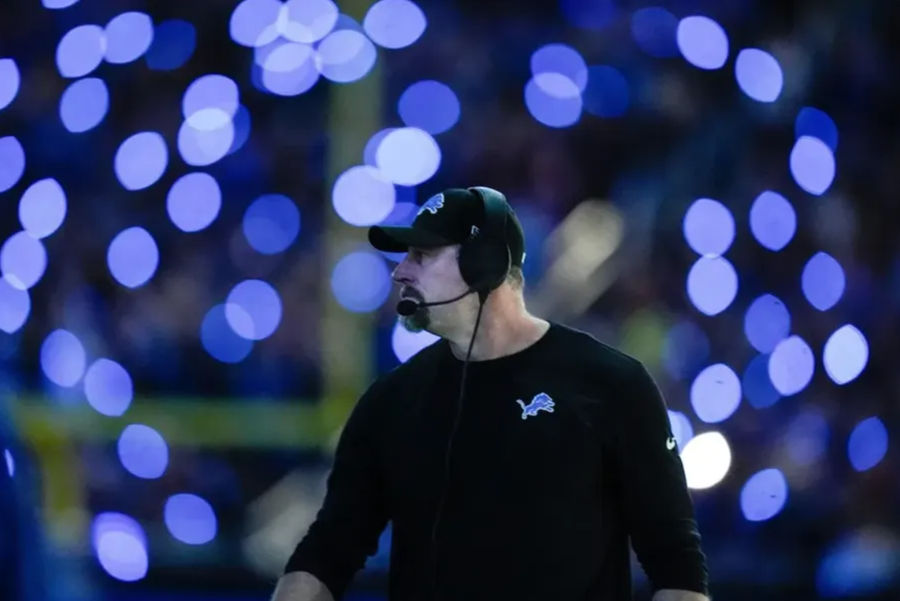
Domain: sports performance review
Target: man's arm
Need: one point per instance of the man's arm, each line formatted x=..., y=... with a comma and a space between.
x=670, y=594
x=301, y=586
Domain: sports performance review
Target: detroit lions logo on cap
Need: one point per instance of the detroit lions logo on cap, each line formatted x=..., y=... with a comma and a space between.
x=540, y=402
x=432, y=204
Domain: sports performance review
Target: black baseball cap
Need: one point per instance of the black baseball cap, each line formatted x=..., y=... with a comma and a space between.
x=444, y=219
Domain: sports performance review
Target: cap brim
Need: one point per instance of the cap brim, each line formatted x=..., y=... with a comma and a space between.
x=399, y=239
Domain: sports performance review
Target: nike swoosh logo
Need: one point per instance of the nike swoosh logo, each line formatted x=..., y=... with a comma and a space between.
x=671, y=443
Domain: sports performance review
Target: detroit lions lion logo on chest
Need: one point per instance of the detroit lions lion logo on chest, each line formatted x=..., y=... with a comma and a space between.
x=432, y=204
x=540, y=402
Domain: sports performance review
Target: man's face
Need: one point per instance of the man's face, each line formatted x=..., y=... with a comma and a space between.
x=429, y=275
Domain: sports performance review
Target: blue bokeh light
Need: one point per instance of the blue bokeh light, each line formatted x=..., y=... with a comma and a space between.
x=190, y=519
x=253, y=22
x=562, y=59
x=23, y=260
x=846, y=354
x=63, y=358
x=394, y=23
x=141, y=160
x=817, y=124
x=715, y=393
x=702, y=42
x=606, y=94
x=143, y=451
x=345, y=55
x=766, y=323
x=812, y=165
x=362, y=196
x=210, y=91
x=128, y=36
x=80, y=51
x=653, y=29
x=553, y=99
x=108, y=387
x=42, y=208
x=133, y=257
x=242, y=129
x=220, y=341
x=206, y=137
x=285, y=68
x=12, y=162
x=253, y=309
x=15, y=306
x=772, y=220
x=860, y=565
x=10, y=463
x=823, y=281
x=120, y=545
x=58, y=4
x=408, y=156
x=712, y=284
x=758, y=74
x=429, y=105
x=685, y=349
x=10, y=80
x=791, y=365
x=764, y=495
x=708, y=227
x=371, y=148
x=173, y=44
x=757, y=385
x=361, y=282
x=194, y=201
x=84, y=104
x=867, y=444
x=806, y=439
x=307, y=21
x=406, y=344
x=271, y=223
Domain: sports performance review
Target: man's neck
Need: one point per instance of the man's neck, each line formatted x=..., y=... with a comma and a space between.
x=500, y=335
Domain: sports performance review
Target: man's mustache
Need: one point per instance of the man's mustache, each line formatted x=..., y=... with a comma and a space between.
x=411, y=293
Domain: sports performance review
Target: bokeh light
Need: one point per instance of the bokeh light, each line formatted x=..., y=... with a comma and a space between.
x=429, y=105
x=707, y=459
x=708, y=227
x=846, y=354
x=766, y=323
x=173, y=44
x=764, y=495
x=681, y=427
x=758, y=74
x=23, y=260
x=812, y=165
x=702, y=42
x=562, y=59
x=63, y=358
x=58, y=4
x=210, y=91
x=757, y=385
x=715, y=393
x=253, y=22
x=772, y=220
x=712, y=284
x=860, y=565
x=307, y=21
x=685, y=349
x=408, y=156
x=806, y=438
x=553, y=99
x=791, y=365
x=867, y=444
x=81, y=50
x=132, y=257
x=206, y=137
x=120, y=545
x=10, y=463
x=285, y=68
x=108, y=387
x=84, y=104
x=128, y=36
x=406, y=344
x=363, y=196
x=141, y=160
x=345, y=55
x=361, y=282
x=606, y=94
x=194, y=201
x=190, y=519
x=822, y=281
x=271, y=223
x=12, y=162
x=371, y=148
x=143, y=451
x=817, y=124
x=220, y=340
x=394, y=23
x=10, y=79
x=242, y=128
x=253, y=309
x=653, y=29
x=42, y=208
x=15, y=306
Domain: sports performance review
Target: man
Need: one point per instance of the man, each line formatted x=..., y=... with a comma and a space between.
x=529, y=483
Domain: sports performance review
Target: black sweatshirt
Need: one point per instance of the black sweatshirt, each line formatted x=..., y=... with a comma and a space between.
x=562, y=452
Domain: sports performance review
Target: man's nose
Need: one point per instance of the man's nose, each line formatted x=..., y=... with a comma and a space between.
x=401, y=273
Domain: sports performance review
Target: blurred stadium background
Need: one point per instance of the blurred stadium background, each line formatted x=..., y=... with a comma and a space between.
x=189, y=309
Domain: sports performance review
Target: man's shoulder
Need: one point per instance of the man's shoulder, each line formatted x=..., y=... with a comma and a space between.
x=588, y=350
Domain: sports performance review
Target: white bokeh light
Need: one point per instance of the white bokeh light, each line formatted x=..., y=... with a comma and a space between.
x=706, y=459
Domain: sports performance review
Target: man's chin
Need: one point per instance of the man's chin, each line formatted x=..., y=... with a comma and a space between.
x=414, y=323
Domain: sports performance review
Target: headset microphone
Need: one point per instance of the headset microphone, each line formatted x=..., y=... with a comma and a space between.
x=408, y=306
